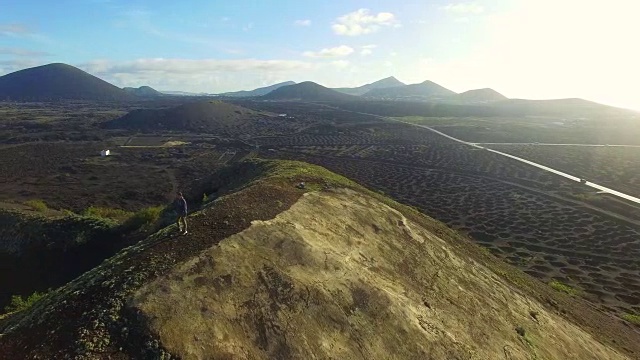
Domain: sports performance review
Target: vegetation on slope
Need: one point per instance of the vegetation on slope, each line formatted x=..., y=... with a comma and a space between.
x=39, y=251
x=562, y=287
x=632, y=318
x=19, y=303
x=37, y=204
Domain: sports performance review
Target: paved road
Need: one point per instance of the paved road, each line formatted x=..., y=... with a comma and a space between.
x=557, y=172
x=547, y=144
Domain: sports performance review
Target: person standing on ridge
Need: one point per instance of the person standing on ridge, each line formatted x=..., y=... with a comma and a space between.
x=181, y=209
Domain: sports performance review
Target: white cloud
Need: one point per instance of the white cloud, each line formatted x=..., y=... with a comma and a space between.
x=340, y=64
x=14, y=29
x=362, y=22
x=463, y=8
x=212, y=75
x=9, y=66
x=192, y=67
x=338, y=51
x=204, y=75
x=305, y=22
x=22, y=52
x=367, y=49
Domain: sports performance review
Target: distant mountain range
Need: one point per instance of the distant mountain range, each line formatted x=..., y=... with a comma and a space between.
x=143, y=91
x=259, y=91
x=389, y=82
x=58, y=82
x=427, y=90
x=388, y=88
x=308, y=91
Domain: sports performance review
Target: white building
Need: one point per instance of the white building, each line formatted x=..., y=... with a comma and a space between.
x=105, y=153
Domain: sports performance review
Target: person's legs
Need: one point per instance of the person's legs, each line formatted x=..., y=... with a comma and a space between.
x=179, y=222
x=182, y=223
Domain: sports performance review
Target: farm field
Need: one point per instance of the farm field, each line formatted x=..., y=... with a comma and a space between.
x=73, y=176
x=533, y=130
x=614, y=167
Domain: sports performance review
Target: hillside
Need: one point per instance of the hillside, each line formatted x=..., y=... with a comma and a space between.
x=257, y=92
x=479, y=95
x=572, y=107
x=452, y=106
x=331, y=271
x=427, y=90
x=196, y=116
x=307, y=91
x=143, y=91
x=58, y=82
x=32, y=244
x=380, y=84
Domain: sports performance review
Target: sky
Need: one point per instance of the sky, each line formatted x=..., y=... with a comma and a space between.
x=535, y=49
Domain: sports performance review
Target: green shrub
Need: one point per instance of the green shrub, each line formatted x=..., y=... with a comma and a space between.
x=37, y=205
x=68, y=212
x=143, y=218
x=559, y=286
x=18, y=303
x=107, y=213
x=634, y=319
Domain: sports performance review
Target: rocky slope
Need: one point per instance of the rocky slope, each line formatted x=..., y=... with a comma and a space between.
x=328, y=271
x=342, y=275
